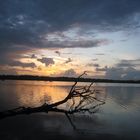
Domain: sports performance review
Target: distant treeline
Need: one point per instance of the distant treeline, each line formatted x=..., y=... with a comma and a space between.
x=64, y=79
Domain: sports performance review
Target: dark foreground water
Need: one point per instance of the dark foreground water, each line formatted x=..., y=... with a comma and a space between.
x=118, y=118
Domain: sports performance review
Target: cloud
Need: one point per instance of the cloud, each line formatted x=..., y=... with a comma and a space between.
x=61, y=14
x=95, y=59
x=93, y=65
x=104, y=69
x=26, y=22
x=67, y=53
x=69, y=73
x=99, y=54
x=81, y=43
x=47, y=61
x=58, y=52
x=6, y=71
x=33, y=56
x=129, y=63
x=11, y=59
x=24, y=25
x=15, y=63
x=125, y=69
x=64, y=39
x=68, y=61
x=21, y=64
x=121, y=73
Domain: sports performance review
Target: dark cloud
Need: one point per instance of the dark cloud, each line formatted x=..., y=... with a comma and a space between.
x=69, y=73
x=99, y=54
x=125, y=64
x=58, y=52
x=47, y=61
x=33, y=56
x=7, y=71
x=16, y=63
x=67, y=53
x=129, y=63
x=61, y=14
x=81, y=43
x=24, y=24
x=131, y=73
x=93, y=65
x=122, y=73
x=21, y=64
x=125, y=69
x=39, y=68
x=68, y=61
x=95, y=59
x=104, y=69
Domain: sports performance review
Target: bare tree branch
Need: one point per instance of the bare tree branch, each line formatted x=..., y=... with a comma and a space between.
x=82, y=98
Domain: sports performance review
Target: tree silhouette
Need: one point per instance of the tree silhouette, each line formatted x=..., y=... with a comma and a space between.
x=81, y=101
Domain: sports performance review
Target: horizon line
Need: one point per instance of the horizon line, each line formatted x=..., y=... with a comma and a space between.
x=65, y=79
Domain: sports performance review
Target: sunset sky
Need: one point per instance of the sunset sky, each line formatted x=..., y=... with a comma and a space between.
x=68, y=37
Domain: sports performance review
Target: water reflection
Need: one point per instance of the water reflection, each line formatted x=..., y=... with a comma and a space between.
x=32, y=95
x=118, y=118
x=25, y=93
x=126, y=97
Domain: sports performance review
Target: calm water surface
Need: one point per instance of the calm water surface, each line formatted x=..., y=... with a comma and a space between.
x=118, y=118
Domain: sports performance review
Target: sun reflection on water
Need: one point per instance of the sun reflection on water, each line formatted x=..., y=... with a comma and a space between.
x=32, y=95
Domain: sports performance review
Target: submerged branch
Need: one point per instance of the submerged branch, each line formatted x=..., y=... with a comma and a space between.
x=82, y=98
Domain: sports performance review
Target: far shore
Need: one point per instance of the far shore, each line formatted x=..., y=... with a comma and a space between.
x=64, y=79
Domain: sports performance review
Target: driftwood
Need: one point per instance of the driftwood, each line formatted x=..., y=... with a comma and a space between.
x=82, y=99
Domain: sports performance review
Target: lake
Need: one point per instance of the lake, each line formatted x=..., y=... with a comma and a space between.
x=118, y=118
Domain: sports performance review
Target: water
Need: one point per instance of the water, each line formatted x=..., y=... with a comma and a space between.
x=118, y=118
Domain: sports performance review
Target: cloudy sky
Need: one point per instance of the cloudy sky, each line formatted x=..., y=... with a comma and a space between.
x=67, y=37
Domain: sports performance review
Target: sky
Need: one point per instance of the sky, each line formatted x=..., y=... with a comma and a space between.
x=68, y=37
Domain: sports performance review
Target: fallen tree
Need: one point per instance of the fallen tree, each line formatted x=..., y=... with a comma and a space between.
x=82, y=100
